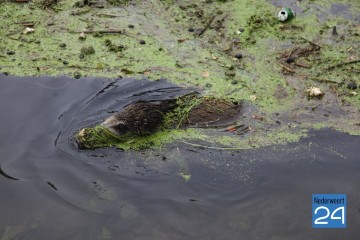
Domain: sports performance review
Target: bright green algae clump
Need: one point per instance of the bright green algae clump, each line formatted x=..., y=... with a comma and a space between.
x=100, y=137
x=205, y=57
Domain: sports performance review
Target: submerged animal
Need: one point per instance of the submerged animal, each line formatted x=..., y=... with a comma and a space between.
x=139, y=118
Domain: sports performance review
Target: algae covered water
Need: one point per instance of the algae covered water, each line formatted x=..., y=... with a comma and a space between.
x=51, y=190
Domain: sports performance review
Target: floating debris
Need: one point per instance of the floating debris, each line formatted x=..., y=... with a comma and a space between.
x=28, y=30
x=82, y=36
x=238, y=55
x=252, y=97
x=185, y=176
x=205, y=74
x=334, y=31
x=113, y=47
x=45, y=3
x=352, y=86
x=230, y=73
x=286, y=14
x=353, y=93
x=77, y=75
x=290, y=60
x=87, y=50
x=314, y=92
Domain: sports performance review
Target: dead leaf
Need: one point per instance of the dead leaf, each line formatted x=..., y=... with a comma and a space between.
x=28, y=30
x=126, y=71
x=182, y=40
x=258, y=117
x=303, y=64
x=206, y=74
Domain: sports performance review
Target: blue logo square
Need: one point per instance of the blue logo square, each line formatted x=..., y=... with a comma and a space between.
x=329, y=210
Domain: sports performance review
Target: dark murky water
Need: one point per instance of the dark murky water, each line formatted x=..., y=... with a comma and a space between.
x=63, y=193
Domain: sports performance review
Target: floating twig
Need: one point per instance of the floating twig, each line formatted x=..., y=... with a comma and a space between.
x=302, y=64
x=286, y=68
x=80, y=11
x=292, y=50
x=123, y=32
x=110, y=15
x=207, y=26
x=26, y=24
x=315, y=44
x=321, y=80
x=334, y=90
x=210, y=147
x=101, y=31
x=343, y=64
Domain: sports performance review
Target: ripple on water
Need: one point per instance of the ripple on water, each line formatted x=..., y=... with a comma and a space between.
x=108, y=193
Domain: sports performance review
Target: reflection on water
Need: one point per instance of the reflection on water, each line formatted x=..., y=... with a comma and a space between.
x=63, y=193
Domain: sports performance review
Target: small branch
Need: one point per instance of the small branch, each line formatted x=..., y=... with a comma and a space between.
x=110, y=15
x=311, y=42
x=123, y=32
x=207, y=26
x=286, y=68
x=80, y=11
x=206, y=124
x=26, y=24
x=101, y=31
x=210, y=147
x=343, y=64
x=292, y=50
x=321, y=80
x=334, y=90
x=302, y=64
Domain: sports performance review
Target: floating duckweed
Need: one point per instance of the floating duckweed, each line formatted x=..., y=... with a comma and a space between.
x=87, y=50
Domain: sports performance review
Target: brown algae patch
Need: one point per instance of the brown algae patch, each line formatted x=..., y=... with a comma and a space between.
x=199, y=44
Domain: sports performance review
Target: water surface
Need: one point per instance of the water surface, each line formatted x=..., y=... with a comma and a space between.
x=64, y=193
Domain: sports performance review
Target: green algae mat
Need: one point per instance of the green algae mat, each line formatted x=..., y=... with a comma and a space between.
x=237, y=50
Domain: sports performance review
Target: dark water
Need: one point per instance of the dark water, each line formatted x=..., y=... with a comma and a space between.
x=63, y=193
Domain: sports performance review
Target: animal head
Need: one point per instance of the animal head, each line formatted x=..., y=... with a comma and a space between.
x=115, y=125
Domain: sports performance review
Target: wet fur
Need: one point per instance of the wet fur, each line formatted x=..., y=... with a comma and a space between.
x=139, y=118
